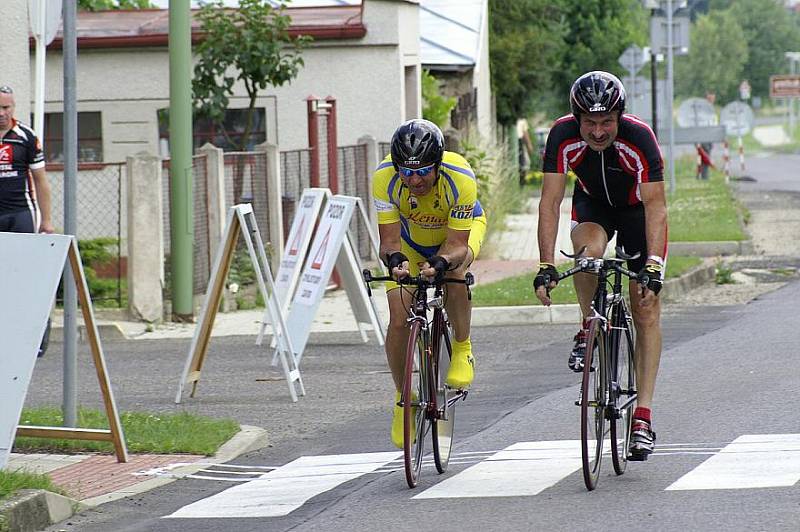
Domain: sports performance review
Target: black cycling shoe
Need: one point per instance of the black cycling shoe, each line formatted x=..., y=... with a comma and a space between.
x=643, y=440
x=578, y=352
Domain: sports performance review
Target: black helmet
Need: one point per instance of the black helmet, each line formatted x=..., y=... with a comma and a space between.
x=597, y=92
x=417, y=143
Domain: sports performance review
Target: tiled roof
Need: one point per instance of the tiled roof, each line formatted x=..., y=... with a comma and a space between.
x=150, y=27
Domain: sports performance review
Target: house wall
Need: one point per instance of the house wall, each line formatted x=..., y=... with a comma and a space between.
x=368, y=77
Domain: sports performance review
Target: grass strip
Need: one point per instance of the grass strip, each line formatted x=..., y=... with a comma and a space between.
x=518, y=290
x=180, y=433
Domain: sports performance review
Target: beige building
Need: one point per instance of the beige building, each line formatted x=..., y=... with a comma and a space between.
x=365, y=56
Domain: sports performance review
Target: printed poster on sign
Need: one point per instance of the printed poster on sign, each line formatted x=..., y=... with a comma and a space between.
x=324, y=250
x=297, y=243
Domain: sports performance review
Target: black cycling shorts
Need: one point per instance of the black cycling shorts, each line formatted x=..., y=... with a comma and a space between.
x=627, y=222
x=19, y=222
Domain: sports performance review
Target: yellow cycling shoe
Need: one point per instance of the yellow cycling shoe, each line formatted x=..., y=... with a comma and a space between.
x=462, y=363
x=397, y=423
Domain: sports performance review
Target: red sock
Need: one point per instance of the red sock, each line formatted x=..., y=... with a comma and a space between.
x=642, y=413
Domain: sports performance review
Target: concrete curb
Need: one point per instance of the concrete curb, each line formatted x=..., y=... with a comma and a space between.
x=712, y=249
x=32, y=510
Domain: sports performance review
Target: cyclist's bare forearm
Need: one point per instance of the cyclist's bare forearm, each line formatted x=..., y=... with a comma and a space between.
x=655, y=208
x=549, y=214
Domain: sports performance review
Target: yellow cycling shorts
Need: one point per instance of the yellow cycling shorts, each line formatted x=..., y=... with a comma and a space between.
x=476, y=234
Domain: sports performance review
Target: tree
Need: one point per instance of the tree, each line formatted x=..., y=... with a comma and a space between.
x=435, y=107
x=770, y=31
x=525, y=54
x=717, y=55
x=100, y=5
x=597, y=33
x=250, y=44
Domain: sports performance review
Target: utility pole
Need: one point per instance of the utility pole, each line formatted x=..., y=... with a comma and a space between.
x=180, y=171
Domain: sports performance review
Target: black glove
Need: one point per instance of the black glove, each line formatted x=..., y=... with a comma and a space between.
x=547, y=274
x=439, y=264
x=394, y=260
x=650, y=277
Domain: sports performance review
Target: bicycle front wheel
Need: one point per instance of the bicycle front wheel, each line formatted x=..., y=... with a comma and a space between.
x=444, y=423
x=624, y=391
x=415, y=398
x=593, y=404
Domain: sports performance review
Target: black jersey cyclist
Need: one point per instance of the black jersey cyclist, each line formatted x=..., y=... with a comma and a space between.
x=619, y=191
x=24, y=189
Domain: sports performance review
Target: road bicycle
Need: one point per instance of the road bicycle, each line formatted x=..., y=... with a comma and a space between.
x=428, y=403
x=608, y=387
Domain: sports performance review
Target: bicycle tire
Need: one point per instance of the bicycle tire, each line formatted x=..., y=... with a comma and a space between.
x=444, y=421
x=623, y=389
x=593, y=404
x=415, y=400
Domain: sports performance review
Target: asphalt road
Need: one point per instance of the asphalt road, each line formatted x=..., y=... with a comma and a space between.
x=728, y=455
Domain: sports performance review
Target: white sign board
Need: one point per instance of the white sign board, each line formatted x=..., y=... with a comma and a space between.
x=30, y=271
x=331, y=246
x=295, y=251
x=738, y=118
x=298, y=241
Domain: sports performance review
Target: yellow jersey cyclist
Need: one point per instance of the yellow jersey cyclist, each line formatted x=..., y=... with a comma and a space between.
x=430, y=222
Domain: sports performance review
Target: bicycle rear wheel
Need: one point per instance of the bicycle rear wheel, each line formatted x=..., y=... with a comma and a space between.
x=623, y=391
x=444, y=422
x=415, y=396
x=593, y=404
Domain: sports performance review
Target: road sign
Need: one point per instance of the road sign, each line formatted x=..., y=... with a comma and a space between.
x=696, y=112
x=784, y=86
x=632, y=59
x=737, y=117
x=680, y=34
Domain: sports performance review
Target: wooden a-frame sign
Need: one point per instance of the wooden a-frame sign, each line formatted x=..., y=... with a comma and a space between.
x=240, y=220
x=44, y=257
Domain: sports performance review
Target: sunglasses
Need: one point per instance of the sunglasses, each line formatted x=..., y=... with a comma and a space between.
x=422, y=172
x=5, y=89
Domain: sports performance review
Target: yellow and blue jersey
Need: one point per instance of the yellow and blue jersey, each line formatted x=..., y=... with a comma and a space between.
x=452, y=203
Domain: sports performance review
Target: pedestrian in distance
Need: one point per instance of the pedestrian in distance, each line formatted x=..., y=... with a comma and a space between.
x=619, y=191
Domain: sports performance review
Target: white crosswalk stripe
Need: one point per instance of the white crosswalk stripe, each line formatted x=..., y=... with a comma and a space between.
x=522, y=469
x=750, y=461
x=284, y=490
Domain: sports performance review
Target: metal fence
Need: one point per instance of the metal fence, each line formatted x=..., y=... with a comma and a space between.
x=100, y=213
x=384, y=148
x=354, y=181
x=202, y=255
x=295, y=177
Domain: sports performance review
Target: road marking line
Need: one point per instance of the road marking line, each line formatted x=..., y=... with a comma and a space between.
x=750, y=461
x=282, y=491
x=525, y=468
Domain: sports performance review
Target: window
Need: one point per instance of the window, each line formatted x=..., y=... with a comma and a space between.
x=90, y=137
x=229, y=137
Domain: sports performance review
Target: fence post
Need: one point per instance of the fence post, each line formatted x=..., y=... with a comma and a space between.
x=372, y=163
x=145, y=237
x=274, y=201
x=215, y=202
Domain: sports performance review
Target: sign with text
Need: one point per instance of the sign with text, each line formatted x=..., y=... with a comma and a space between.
x=784, y=86
x=295, y=251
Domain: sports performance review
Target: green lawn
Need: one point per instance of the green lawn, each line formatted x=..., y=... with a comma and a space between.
x=144, y=432
x=518, y=290
x=702, y=210
x=12, y=481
